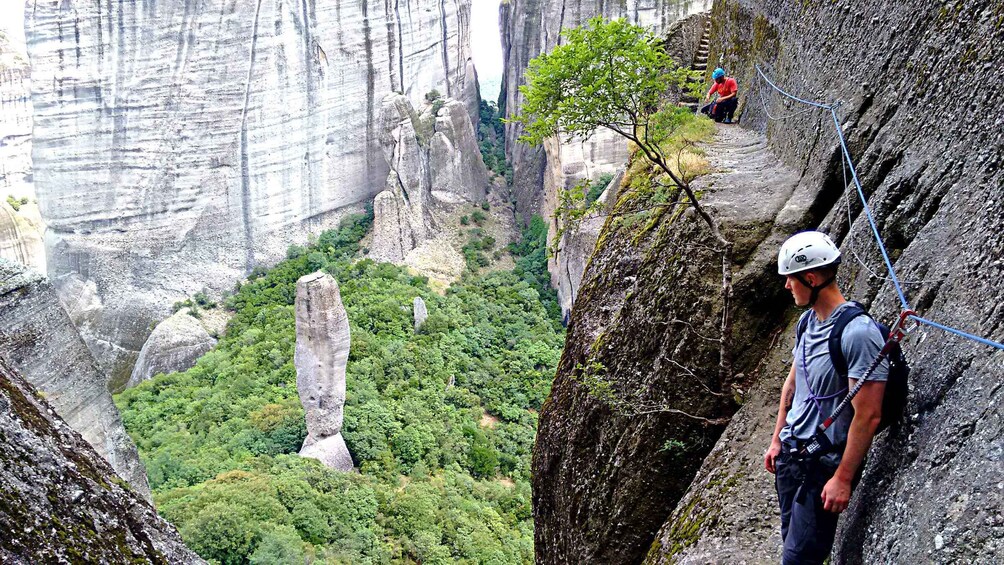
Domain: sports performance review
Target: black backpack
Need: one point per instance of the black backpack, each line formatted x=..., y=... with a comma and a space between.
x=896, y=388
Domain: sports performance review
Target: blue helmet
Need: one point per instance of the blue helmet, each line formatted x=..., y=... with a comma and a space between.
x=719, y=73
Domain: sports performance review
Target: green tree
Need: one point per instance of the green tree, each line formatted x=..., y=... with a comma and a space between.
x=615, y=75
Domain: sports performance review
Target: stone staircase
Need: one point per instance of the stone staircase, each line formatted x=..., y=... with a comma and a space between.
x=700, y=64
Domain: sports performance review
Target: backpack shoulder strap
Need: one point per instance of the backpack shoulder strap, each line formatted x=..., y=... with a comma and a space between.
x=803, y=323
x=837, y=331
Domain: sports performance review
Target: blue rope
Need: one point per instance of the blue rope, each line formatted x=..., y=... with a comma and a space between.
x=868, y=212
x=871, y=219
x=958, y=332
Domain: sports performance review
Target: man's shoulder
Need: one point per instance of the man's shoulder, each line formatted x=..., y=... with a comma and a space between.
x=861, y=331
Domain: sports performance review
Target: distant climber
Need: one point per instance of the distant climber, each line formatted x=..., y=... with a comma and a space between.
x=813, y=488
x=724, y=107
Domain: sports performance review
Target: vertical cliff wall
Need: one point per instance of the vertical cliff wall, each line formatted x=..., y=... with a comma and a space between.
x=20, y=229
x=38, y=339
x=15, y=120
x=931, y=168
x=928, y=146
x=60, y=502
x=178, y=144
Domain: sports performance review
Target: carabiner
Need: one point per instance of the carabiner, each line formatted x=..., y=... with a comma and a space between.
x=899, y=331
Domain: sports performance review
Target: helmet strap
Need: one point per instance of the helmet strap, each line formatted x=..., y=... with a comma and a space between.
x=815, y=290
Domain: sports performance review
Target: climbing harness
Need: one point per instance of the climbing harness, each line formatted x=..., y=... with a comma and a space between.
x=819, y=444
x=832, y=108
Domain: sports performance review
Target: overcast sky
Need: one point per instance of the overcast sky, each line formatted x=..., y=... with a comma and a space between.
x=486, y=46
x=485, y=43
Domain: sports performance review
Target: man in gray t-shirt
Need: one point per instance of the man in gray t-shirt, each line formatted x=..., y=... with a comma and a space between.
x=813, y=493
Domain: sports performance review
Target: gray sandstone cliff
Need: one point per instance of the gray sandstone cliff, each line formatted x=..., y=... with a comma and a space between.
x=931, y=491
x=613, y=488
x=322, y=351
x=175, y=345
x=60, y=502
x=38, y=339
x=184, y=143
x=20, y=230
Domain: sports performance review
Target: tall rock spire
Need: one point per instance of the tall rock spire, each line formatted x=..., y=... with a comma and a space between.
x=322, y=351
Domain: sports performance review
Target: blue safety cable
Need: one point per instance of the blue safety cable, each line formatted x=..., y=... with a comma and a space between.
x=982, y=340
x=871, y=219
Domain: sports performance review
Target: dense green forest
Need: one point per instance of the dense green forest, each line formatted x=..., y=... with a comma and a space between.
x=440, y=421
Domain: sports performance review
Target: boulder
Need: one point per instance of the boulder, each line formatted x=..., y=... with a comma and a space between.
x=421, y=313
x=322, y=351
x=175, y=345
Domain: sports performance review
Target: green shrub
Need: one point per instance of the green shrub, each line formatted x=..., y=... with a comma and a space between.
x=478, y=217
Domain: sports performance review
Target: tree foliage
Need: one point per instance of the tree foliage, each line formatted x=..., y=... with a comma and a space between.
x=608, y=74
x=220, y=440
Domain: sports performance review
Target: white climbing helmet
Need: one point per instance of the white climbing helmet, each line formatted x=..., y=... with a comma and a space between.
x=806, y=250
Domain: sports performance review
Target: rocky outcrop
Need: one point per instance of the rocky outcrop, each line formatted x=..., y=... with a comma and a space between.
x=930, y=491
x=433, y=159
x=20, y=230
x=60, y=502
x=421, y=313
x=576, y=247
x=175, y=345
x=532, y=27
x=456, y=169
x=21, y=235
x=38, y=339
x=638, y=399
x=322, y=351
x=184, y=143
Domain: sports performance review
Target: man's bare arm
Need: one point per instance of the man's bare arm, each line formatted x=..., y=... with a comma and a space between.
x=867, y=415
x=787, y=397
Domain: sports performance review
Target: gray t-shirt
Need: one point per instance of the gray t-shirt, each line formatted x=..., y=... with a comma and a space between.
x=860, y=343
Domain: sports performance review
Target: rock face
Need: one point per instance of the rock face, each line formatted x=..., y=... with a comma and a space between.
x=21, y=236
x=175, y=345
x=456, y=170
x=606, y=472
x=322, y=351
x=60, y=502
x=186, y=143
x=532, y=27
x=577, y=247
x=420, y=311
x=931, y=488
x=15, y=121
x=38, y=339
x=20, y=230
x=432, y=159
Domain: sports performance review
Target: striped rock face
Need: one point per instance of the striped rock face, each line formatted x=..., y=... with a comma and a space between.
x=179, y=144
